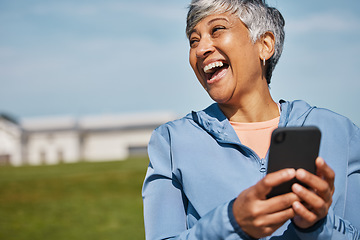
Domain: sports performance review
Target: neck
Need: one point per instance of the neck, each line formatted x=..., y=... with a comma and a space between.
x=254, y=108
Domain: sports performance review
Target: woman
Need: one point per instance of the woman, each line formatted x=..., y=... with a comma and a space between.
x=207, y=173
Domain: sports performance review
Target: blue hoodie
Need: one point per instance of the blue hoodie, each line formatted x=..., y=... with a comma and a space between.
x=198, y=166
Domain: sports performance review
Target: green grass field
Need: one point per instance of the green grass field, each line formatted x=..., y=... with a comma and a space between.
x=73, y=201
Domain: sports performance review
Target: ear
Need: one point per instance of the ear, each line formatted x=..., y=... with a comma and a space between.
x=267, y=46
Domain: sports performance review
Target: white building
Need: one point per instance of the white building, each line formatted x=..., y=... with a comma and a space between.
x=10, y=141
x=64, y=140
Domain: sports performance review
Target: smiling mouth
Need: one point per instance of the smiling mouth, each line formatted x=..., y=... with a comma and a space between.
x=215, y=71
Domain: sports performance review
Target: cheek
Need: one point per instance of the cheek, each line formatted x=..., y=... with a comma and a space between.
x=232, y=48
x=243, y=56
x=228, y=41
x=193, y=61
x=193, y=67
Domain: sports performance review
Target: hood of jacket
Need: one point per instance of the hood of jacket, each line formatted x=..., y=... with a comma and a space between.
x=213, y=120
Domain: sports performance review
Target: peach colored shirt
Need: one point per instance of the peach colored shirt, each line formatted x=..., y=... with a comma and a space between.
x=256, y=135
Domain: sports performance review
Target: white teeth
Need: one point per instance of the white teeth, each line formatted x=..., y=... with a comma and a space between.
x=209, y=67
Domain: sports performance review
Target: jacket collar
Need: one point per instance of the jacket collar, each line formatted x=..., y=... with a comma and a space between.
x=213, y=120
x=294, y=113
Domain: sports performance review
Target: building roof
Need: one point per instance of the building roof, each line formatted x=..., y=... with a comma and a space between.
x=9, y=118
x=97, y=122
x=49, y=123
x=125, y=120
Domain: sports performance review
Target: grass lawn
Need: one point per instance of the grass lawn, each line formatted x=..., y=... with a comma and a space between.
x=73, y=201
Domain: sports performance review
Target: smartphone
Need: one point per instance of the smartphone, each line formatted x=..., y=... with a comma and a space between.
x=293, y=147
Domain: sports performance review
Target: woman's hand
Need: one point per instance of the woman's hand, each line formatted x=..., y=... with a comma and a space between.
x=258, y=216
x=316, y=200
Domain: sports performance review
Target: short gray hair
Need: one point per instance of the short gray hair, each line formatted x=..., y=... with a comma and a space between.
x=257, y=16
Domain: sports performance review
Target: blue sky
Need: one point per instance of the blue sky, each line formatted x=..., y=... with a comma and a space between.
x=89, y=57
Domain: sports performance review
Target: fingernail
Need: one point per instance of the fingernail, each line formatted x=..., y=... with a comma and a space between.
x=296, y=188
x=320, y=161
x=296, y=205
x=301, y=173
x=290, y=172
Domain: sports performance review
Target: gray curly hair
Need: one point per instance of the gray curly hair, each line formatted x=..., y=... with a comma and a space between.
x=257, y=16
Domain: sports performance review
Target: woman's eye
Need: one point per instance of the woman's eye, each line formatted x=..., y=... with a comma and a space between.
x=217, y=28
x=193, y=42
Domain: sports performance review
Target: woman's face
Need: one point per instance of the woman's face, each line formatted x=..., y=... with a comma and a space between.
x=224, y=59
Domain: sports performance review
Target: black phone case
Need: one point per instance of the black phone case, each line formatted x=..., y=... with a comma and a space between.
x=293, y=147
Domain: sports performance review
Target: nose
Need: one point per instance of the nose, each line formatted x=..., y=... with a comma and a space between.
x=204, y=48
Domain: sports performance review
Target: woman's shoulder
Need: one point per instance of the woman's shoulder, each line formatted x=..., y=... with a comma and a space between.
x=183, y=123
x=330, y=117
x=194, y=119
x=331, y=122
x=302, y=111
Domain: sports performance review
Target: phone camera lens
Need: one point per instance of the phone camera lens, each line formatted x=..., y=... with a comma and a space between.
x=280, y=137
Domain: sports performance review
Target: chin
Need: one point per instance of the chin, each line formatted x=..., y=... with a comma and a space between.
x=220, y=94
x=219, y=99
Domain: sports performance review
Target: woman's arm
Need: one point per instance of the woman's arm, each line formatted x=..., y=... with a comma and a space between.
x=165, y=204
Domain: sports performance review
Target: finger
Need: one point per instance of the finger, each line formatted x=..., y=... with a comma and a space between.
x=279, y=218
x=301, y=211
x=280, y=203
x=264, y=186
x=324, y=171
x=269, y=223
x=319, y=185
x=311, y=200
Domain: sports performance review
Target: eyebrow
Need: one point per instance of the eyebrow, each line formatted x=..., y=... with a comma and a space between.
x=192, y=31
x=217, y=19
x=209, y=23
